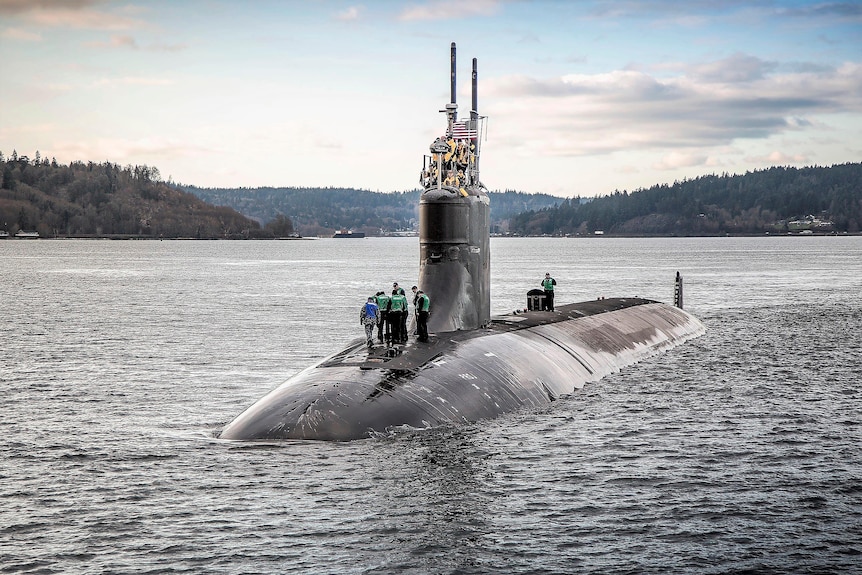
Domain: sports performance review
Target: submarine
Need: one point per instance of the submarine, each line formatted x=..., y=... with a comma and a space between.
x=474, y=367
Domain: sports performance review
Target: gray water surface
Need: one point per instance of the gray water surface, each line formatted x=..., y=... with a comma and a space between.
x=738, y=452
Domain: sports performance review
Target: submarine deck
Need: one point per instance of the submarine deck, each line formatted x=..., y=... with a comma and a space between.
x=413, y=355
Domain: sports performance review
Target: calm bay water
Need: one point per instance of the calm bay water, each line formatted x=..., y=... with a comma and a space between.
x=739, y=452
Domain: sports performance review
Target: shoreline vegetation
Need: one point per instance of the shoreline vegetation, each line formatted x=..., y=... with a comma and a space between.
x=40, y=198
x=120, y=237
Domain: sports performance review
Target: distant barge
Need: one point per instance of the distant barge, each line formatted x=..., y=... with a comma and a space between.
x=348, y=234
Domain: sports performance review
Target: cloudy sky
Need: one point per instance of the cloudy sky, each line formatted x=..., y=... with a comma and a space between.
x=583, y=97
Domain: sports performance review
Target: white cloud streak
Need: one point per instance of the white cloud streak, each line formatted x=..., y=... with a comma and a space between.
x=20, y=35
x=349, y=14
x=134, y=81
x=79, y=14
x=449, y=10
x=121, y=150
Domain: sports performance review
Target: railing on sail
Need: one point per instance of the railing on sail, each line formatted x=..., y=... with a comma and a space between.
x=454, y=158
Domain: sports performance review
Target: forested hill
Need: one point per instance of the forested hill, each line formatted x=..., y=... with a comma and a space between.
x=105, y=200
x=775, y=200
x=320, y=211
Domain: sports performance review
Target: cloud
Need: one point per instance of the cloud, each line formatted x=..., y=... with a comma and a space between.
x=700, y=12
x=699, y=107
x=121, y=150
x=348, y=14
x=122, y=41
x=633, y=84
x=777, y=158
x=807, y=67
x=134, y=81
x=449, y=10
x=664, y=10
x=676, y=160
x=842, y=10
x=116, y=41
x=19, y=34
x=65, y=14
x=42, y=129
x=327, y=145
x=735, y=69
x=11, y=7
x=166, y=47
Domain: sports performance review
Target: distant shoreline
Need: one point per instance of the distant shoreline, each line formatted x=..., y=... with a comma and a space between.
x=119, y=237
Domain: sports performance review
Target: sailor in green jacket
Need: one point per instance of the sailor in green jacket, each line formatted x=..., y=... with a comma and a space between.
x=548, y=285
x=383, y=304
x=423, y=307
x=398, y=316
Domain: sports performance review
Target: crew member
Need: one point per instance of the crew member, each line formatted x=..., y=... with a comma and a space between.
x=402, y=316
x=398, y=316
x=423, y=306
x=548, y=285
x=415, y=291
x=462, y=154
x=448, y=156
x=383, y=304
x=368, y=317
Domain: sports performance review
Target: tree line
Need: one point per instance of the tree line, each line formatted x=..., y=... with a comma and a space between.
x=773, y=200
x=87, y=199
x=321, y=211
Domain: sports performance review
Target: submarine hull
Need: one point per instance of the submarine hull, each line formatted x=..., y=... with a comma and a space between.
x=518, y=361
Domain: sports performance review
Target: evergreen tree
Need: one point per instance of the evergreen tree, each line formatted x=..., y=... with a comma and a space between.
x=281, y=226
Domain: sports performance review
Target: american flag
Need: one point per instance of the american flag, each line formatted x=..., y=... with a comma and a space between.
x=461, y=130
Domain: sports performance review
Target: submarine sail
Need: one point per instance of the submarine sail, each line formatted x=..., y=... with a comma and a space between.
x=474, y=367
x=454, y=224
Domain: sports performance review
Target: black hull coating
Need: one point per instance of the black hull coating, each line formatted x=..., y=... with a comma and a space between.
x=518, y=361
x=455, y=257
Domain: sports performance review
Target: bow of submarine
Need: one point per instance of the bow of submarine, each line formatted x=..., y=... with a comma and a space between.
x=518, y=361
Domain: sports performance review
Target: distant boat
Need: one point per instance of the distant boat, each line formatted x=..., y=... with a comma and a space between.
x=27, y=235
x=348, y=234
x=3, y=234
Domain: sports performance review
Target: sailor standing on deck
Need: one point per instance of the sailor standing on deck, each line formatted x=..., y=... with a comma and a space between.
x=398, y=315
x=369, y=316
x=405, y=315
x=415, y=291
x=548, y=285
x=383, y=304
x=423, y=307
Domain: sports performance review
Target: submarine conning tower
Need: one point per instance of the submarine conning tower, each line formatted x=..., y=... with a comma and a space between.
x=454, y=222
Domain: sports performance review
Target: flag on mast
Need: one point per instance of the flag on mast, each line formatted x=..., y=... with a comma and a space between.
x=466, y=129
